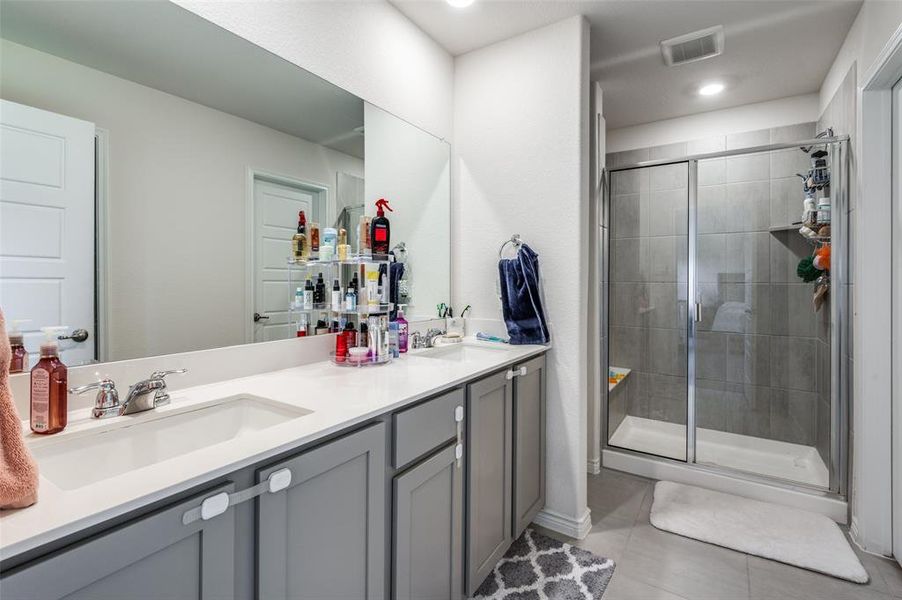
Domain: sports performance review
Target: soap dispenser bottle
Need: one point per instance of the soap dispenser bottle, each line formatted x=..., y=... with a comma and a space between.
x=49, y=387
x=380, y=231
x=18, y=362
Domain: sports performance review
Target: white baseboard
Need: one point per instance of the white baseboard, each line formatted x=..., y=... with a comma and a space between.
x=555, y=521
x=593, y=466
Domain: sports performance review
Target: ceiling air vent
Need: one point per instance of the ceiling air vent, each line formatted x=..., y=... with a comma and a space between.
x=694, y=46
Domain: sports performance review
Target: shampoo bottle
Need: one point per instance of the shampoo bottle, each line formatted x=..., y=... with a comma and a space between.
x=49, y=387
x=18, y=362
x=380, y=230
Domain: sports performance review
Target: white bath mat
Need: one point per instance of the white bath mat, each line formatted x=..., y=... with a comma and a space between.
x=789, y=535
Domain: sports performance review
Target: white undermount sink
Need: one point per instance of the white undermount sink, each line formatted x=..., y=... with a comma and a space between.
x=461, y=352
x=132, y=442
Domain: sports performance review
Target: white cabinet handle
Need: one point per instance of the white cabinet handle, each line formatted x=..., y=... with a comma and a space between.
x=217, y=504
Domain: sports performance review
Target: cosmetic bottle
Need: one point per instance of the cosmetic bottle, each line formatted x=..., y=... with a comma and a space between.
x=383, y=347
x=299, y=248
x=350, y=300
x=18, y=362
x=320, y=328
x=336, y=297
x=393, y=342
x=363, y=237
x=308, y=294
x=375, y=339
x=314, y=239
x=341, y=348
x=49, y=387
x=372, y=289
x=350, y=333
x=363, y=340
x=302, y=325
x=299, y=298
x=343, y=248
x=380, y=230
x=403, y=330
x=319, y=291
x=330, y=238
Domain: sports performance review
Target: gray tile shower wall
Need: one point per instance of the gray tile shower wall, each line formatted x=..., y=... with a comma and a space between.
x=762, y=358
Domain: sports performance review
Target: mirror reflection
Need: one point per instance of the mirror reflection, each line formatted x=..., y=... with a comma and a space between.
x=153, y=172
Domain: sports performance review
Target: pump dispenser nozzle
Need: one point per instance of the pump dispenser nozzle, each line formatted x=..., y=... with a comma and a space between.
x=50, y=345
x=380, y=204
x=15, y=332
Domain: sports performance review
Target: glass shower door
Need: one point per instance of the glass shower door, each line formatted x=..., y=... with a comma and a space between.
x=762, y=359
x=648, y=344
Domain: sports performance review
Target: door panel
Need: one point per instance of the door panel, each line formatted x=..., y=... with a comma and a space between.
x=276, y=208
x=324, y=536
x=529, y=444
x=155, y=556
x=428, y=529
x=489, y=527
x=47, y=225
x=647, y=308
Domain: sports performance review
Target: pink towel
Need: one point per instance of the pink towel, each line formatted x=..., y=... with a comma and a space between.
x=18, y=471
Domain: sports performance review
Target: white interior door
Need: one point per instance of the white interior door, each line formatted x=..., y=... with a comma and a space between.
x=47, y=225
x=897, y=319
x=276, y=208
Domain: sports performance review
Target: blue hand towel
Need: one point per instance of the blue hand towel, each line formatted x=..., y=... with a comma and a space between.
x=521, y=302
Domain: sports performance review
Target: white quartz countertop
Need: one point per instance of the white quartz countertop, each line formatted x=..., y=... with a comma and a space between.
x=338, y=397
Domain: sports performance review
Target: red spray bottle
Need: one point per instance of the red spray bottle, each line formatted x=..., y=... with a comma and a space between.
x=380, y=230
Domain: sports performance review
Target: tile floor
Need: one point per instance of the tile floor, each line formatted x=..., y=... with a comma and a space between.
x=656, y=565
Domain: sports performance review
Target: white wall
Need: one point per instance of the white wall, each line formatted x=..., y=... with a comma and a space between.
x=367, y=48
x=739, y=119
x=841, y=101
x=412, y=170
x=876, y=22
x=177, y=199
x=520, y=165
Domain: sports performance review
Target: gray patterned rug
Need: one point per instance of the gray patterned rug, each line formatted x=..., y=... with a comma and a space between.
x=538, y=567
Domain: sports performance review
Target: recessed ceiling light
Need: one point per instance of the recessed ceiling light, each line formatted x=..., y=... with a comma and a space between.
x=459, y=3
x=710, y=89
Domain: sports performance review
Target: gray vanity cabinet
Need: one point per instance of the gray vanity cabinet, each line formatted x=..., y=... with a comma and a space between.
x=428, y=529
x=529, y=442
x=489, y=476
x=324, y=536
x=155, y=555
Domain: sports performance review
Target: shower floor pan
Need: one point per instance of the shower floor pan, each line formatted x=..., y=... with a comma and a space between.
x=771, y=458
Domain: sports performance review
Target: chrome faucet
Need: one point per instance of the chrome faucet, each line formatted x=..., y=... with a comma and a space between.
x=106, y=404
x=148, y=393
x=425, y=340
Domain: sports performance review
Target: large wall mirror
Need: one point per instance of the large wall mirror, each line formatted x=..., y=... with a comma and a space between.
x=152, y=168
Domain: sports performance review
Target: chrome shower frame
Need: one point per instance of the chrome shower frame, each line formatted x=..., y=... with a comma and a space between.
x=839, y=318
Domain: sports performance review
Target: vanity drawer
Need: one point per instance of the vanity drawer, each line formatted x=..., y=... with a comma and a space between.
x=426, y=426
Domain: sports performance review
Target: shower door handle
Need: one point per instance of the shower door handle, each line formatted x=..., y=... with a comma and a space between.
x=698, y=312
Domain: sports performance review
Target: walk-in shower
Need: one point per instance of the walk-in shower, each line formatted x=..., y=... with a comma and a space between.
x=724, y=354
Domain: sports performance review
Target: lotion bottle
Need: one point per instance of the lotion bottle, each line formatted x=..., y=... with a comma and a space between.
x=49, y=387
